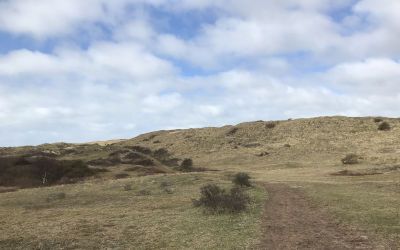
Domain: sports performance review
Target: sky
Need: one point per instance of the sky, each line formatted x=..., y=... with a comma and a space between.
x=79, y=71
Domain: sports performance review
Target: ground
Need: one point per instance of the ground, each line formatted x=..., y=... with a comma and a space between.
x=303, y=196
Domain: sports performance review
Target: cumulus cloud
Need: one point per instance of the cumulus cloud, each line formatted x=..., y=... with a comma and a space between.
x=115, y=69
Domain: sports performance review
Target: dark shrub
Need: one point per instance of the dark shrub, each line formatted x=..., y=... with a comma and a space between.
x=161, y=153
x=237, y=200
x=350, y=159
x=186, y=165
x=384, y=126
x=145, y=162
x=378, y=120
x=216, y=199
x=242, y=179
x=232, y=131
x=37, y=171
x=121, y=175
x=140, y=149
x=211, y=197
x=100, y=162
x=270, y=125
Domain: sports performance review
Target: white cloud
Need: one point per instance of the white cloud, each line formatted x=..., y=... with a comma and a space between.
x=256, y=60
x=46, y=17
x=374, y=76
x=106, y=59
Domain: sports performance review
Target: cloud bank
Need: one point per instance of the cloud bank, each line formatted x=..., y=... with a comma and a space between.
x=89, y=70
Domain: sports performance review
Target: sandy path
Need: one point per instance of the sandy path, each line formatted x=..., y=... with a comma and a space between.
x=292, y=222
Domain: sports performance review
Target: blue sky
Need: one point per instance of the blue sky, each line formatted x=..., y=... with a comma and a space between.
x=90, y=70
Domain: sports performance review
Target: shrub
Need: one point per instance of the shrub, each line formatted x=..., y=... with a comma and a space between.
x=378, y=120
x=270, y=125
x=216, y=199
x=242, y=179
x=237, y=200
x=121, y=176
x=232, y=131
x=186, y=165
x=384, y=126
x=140, y=149
x=36, y=171
x=350, y=159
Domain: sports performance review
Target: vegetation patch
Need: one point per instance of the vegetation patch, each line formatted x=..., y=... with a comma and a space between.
x=384, y=126
x=121, y=176
x=41, y=171
x=270, y=125
x=364, y=172
x=242, y=179
x=232, y=131
x=350, y=159
x=217, y=200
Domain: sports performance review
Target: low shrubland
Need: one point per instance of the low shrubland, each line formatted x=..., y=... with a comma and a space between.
x=41, y=171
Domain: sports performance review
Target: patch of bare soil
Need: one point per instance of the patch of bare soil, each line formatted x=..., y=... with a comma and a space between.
x=291, y=221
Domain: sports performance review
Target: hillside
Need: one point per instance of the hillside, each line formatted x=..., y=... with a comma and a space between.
x=323, y=139
x=301, y=154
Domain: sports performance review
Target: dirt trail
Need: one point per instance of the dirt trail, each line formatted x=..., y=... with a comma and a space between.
x=292, y=222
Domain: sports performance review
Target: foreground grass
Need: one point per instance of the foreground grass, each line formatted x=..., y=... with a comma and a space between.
x=367, y=202
x=376, y=207
x=104, y=215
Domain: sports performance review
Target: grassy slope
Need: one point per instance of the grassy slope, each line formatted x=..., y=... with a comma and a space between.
x=91, y=211
x=96, y=215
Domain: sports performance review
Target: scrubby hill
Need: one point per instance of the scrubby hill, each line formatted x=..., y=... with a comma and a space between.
x=323, y=140
x=340, y=173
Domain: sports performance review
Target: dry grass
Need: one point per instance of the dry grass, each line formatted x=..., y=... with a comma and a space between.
x=104, y=215
x=100, y=213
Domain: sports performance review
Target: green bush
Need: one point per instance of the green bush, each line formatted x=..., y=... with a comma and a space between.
x=242, y=179
x=217, y=200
